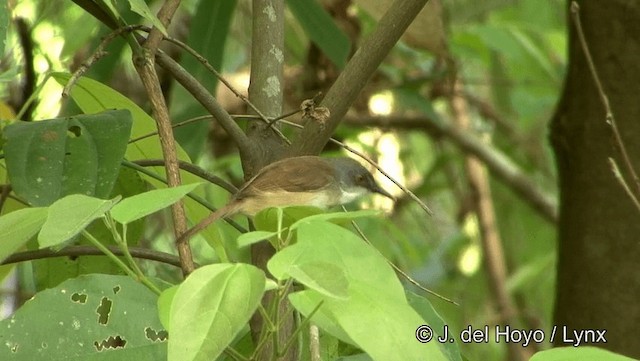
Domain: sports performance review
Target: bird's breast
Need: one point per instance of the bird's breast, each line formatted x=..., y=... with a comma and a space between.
x=258, y=202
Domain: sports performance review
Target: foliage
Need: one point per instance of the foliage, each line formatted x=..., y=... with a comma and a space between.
x=75, y=182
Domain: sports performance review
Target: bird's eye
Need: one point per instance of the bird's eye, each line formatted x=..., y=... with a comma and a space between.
x=359, y=178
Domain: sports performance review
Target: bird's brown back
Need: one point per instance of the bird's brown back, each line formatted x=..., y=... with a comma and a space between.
x=290, y=175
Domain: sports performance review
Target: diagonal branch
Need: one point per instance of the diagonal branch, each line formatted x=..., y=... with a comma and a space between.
x=193, y=86
x=356, y=74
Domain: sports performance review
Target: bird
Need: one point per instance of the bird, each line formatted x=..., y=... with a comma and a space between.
x=297, y=181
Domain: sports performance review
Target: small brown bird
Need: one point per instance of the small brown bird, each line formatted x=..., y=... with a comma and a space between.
x=298, y=181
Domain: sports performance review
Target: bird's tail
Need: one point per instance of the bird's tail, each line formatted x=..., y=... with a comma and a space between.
x=229, y=209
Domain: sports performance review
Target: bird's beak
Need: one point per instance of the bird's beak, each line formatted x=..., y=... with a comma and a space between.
x=377, y=189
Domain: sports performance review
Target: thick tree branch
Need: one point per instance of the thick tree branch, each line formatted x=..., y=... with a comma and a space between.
x=266, y=82
x=356, y=74
x=266, y=93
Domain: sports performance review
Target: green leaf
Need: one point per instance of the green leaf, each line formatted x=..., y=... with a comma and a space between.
x=92, y=96
x=337, y=216
x=583, y=353
x=50, y=159
x=69, y=216
x=143, y=204
x=140, y=7
x=16, y=228
x=4, y=24
x=376, y=316
x=250, y=238
x=433, y=319
x=527, y=273
x=322, y=30
x=93, y=317
x=267, y=219
x=164, y=305
x=326, y=278
x=211, y=307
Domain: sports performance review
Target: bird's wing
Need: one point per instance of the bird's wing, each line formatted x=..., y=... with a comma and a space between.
x=290, y=175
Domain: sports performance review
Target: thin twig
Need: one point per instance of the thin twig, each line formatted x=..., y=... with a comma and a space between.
x=204, y=97
x=205, y=117
x=498, y=163
x=616, y=172
x=366, y=60
x=200, y=200
x=374, y=164
x=610, y=119
x=193, y=169
x=174, y=125
x=397, y=269
x=224, y=81
x=131, y=273
x=97, y=54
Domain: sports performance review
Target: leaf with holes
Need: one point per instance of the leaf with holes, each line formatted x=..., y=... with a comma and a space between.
x=50, y=159
x=94, y=317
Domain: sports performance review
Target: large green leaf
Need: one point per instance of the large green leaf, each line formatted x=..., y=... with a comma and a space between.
x=50, y=159
x=376, y=316
x=319, y=25
x=584, y=353
x=16, y=228
x=69, y=216
x=93, y=317
x=210, y=307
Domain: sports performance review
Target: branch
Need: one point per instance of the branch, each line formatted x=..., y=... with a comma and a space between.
x=487, y=224
x=356, y=74
x=611, y=120
x=200, y=200
x=144, y=61
x=200, y=93
x=267, y=81
x=498, y=163
x=224, y=81
x=193, y=169
x=75, y=251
